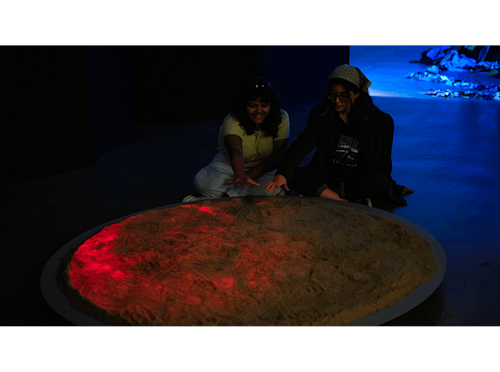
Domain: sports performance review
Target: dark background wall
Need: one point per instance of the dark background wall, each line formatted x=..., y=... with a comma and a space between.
x=62, y=108
x=45, y=111
x=111, y=93
x=300, y=73
x=179, y=84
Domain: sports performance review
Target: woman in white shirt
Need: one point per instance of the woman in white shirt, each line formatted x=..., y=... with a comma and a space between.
x=252, y=141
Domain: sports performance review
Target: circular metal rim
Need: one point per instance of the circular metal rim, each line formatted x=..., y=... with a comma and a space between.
x=58, y=301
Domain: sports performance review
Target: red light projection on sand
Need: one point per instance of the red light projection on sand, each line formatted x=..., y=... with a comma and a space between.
x=190, y=264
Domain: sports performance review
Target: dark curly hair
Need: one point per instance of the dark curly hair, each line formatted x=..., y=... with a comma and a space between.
x=249, y=91
x=360, y=110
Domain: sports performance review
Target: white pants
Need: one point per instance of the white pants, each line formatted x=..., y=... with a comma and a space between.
x=210, y=181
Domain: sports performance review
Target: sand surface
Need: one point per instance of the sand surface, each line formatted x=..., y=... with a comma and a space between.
x=249, y=261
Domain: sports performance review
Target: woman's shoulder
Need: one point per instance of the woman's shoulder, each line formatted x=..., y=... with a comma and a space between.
x=376, y=113
x=231, y=125
x=323, y=108
x=230, y=118
x=321, y=113
x=284, y=115
x=231, y=121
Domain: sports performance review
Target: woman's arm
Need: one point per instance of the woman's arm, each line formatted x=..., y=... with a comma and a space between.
x=234, y=148
x=305, y=142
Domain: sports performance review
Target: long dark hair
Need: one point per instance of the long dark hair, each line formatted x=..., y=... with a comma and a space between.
x=249, y=91
x=361, y=109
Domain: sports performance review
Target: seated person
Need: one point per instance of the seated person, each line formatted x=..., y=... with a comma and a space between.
x=252, y=140
x=353, y=139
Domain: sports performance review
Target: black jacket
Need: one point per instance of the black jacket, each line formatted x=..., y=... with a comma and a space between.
x=322, y=132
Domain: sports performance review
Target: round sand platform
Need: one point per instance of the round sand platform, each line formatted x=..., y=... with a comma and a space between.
x=59, y=302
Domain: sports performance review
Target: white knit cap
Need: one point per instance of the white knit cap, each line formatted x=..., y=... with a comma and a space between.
x=353, y=75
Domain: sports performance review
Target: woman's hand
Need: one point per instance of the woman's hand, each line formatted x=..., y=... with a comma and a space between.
x=276, y=184
x=242, y=181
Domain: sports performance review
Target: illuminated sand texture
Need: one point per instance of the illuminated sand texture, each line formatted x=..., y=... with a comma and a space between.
x=250, y=262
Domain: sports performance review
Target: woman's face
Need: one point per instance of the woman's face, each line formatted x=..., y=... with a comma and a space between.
x=342, y=99
x=258, y=111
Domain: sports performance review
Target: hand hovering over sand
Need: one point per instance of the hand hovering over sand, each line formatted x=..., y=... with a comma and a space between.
x=276, y=184
x=242, y=181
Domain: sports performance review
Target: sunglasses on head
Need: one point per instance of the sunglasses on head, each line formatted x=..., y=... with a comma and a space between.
x=256, y=84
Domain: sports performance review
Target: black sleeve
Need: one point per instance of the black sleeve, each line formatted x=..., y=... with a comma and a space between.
x=305, y=142
x=386, y=140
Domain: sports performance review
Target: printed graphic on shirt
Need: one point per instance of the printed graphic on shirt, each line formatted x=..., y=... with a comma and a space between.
x=347, y=152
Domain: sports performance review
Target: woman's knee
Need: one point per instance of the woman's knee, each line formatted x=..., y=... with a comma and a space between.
x=310, y=181
x=380, y=182
x=266, y=178
x=203, y=181
x=209, y=182
x=377, y=184
x=198, y=179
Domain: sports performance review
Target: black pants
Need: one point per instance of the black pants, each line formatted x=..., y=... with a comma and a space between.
x=310, y=181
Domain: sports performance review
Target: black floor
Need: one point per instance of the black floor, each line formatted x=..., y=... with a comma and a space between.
x=446, y=150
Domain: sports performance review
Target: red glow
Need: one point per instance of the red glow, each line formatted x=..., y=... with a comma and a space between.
x=224, y=283
x=193, y=300
x=184, y=265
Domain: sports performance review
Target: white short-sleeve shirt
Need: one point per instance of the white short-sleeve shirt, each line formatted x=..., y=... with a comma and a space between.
x=256, y=147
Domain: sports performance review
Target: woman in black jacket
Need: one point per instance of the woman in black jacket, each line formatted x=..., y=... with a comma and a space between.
x=353, y=141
